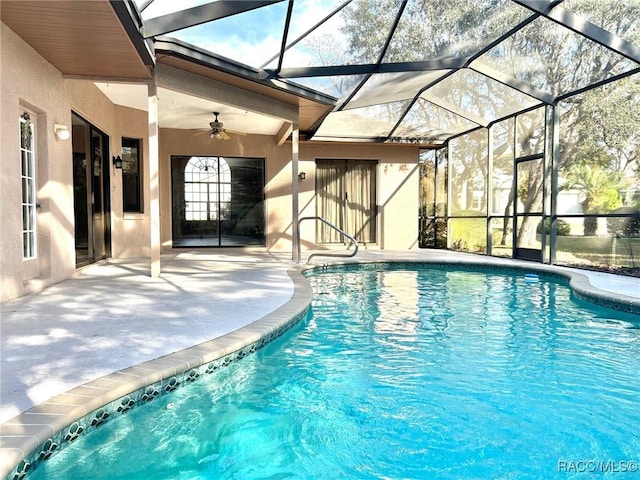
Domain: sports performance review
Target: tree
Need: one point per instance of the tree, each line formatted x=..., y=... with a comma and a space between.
x=599, y=188
x=608, y=134
x=599, y=128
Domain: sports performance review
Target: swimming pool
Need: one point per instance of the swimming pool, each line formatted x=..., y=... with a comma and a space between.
x=399, y=373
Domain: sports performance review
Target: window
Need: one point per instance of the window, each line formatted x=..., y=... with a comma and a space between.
x=207, y=189
x=346, y=192
x=131, y=176
x=28, y=174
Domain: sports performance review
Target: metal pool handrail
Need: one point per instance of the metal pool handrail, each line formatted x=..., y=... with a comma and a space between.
x=340, y=231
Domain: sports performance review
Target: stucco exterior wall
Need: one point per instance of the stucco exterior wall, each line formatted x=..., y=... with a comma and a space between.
x=28, y=82
x=396, y=190
x=131, y=232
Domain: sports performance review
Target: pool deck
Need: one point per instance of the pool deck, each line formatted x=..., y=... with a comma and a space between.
x=111, y=326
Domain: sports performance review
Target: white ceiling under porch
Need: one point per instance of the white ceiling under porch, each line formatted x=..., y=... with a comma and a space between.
x=179, y=110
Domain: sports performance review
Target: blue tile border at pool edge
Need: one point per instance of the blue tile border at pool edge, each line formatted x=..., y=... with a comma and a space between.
x=46, y=429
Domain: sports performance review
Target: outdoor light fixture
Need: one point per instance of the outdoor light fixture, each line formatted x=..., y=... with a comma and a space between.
x=117, y=162
x=302, y=175
x=61, y=131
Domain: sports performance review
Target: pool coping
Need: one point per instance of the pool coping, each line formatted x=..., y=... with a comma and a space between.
x=579, y=282
x=33, y=436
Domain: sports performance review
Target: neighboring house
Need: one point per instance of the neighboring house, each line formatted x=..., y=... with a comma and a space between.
x=67, y=122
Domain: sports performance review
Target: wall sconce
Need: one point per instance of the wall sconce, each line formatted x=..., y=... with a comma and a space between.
x=302, y=175
x=61, y=131
x=117, y=162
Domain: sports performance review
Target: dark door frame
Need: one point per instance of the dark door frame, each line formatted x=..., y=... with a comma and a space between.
x=95, y=163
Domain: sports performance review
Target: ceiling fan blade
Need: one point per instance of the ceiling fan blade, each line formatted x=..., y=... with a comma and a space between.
x=235, y=132
x=224, y=135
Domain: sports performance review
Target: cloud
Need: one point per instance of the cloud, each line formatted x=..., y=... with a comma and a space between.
x=309, y=12
x=254, y=37
x=240, y=50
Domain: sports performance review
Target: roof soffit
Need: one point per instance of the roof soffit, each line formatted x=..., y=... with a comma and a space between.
x=81, y=39
x=309, y=111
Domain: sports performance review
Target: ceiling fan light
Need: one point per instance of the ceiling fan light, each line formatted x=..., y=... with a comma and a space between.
x=217, y=135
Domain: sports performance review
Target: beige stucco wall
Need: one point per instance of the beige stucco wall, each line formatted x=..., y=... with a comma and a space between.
x=131, y=231
x=30, y=82
x=396, y=190
x=397, y=184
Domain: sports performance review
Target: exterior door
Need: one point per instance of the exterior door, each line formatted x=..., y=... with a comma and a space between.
x=217, y=201
x=90, y=192
x=528, y=209
x=346, y=197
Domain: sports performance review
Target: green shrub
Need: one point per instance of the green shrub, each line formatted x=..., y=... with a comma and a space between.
x=563, y=227
x=468, y=234
x=625, y=226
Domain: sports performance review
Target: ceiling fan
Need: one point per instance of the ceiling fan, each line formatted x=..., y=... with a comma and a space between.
x=218, y=131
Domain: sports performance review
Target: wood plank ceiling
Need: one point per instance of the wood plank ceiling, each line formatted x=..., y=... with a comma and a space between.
x=79, y=38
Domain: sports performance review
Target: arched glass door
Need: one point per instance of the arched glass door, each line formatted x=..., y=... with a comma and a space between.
x=217, y=201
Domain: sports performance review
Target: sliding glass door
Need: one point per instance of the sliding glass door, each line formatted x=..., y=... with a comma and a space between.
x=346, y=197
x=90, y=192
x=217, y=201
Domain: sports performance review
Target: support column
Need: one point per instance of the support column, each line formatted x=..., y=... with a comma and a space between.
x=555, y=157
x=154, y=178
x=295, y=213
x=489, y=190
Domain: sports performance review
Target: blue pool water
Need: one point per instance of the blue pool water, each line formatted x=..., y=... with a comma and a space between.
x=399, y=373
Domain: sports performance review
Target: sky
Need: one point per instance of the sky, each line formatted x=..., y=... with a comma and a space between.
x=252, y=37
